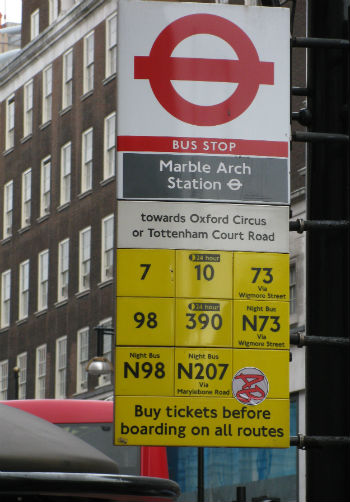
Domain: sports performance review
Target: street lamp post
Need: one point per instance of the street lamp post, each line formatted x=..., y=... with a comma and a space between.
x=16, y=370
x=100, y=365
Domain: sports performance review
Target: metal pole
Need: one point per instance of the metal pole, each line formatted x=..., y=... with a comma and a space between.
x=200, y=474
x=100, y=334
x=241, y=494
x=327, y=262
x=305, y=442
x=16, y=371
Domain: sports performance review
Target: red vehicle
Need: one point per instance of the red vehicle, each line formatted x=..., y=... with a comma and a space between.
x=92, y=421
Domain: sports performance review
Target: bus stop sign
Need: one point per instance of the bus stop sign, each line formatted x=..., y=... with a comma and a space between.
x=160, y=68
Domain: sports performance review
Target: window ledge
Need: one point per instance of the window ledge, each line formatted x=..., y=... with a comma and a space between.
x=6, y=239
x=26, y=138
x=103, y=385
x=8, y=151
x=4, y=329
x=43, y=218
x=109, y=78
x=80, y=294
x=63, y=206
x=41, y=312
x=22, y=321
x=45, y=125
x=24, y=229
x=105, y=283
x=107, y=180
x=61, y=303
x=86, y=95
x=65, y=110
x=82, y=195
x=79, y=393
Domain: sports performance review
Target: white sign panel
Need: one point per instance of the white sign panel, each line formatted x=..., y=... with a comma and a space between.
x=202, y=79
x=217, y=71
x=227, y=227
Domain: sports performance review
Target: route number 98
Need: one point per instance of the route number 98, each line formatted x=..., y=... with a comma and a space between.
x=150, y=319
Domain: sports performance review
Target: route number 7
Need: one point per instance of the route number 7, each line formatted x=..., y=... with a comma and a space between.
x=145, y=272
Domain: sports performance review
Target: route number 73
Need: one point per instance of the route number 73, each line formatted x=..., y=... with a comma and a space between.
x=264, y=273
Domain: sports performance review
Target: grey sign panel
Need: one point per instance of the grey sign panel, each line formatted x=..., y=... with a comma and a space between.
x=190, y=225
x=205, y=178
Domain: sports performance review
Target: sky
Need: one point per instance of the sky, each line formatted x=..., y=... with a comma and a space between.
x=13, y=9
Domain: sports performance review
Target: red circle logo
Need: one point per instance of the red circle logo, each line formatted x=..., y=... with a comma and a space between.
x=247, y=71
x=250, y=386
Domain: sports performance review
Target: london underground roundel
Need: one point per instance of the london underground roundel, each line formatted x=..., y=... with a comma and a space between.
x=160, y=68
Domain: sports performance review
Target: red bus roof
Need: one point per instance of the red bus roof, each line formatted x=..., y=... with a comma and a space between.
x=67, y=411
x=83, y=411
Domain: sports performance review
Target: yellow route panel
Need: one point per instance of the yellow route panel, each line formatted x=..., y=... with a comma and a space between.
x=203, y=323
x=183, y=421
x=147, y=371
x=203, y=372
x=261, y=276
x=145, y=321
x=260, y=325
x=146, y=272
x=274, y=364
x=204, y=274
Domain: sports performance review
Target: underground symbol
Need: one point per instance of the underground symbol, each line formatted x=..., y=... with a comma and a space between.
x=247, y=71
x=250, y=386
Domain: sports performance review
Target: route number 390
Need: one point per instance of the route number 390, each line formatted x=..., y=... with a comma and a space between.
x=215, y=321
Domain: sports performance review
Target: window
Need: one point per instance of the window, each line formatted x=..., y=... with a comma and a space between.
x=66, y=152
x=45, y=186
x=272, y=468
x=22, y=375
x=109, y=146
x=28, y=109
x=67, y=76
x=34, y=24
x=4, y=375
x=23, y=306
x=10, y=122
x=61, y=368
x=107, y=248
x=293, y=288
x=53, y=10
x=111, y=45
x=63, y=270
x=107, y=350
x=8, y=209
x=86, y=161
x=82, y=359
x=88, y=74
x=40, y=372
x=47, y=94
x=5, y=298
x=84, y=259
x=26, y=197
x=43, y=279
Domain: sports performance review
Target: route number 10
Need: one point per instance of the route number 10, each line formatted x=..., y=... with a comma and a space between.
x=206, y=272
